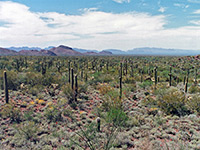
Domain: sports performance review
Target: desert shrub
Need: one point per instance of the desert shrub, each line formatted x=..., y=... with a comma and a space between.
x=12, y=112
x=82, y=87
x=116, y=116
x=28, y=115
x=53, y=114
x=129, y=80
x=111, y=99
x=128, y=88
x=68, y=91
x=145, y=84
x=34, y=78
x=193, y=103
x=48, y=79
x=173, y=101
x=194, y=89
x=28, y=130
x=12, y=80
x=34, y=91
x=105, y=78
x=149, y=101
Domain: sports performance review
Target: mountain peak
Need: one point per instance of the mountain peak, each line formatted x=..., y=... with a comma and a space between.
x=65, y=47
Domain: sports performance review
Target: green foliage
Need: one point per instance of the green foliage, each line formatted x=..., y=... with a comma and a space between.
x=28, y=115
x=194, y=89
x=145, y=84
x=173, y=101
x=116, y=116
x=53, y=114
x=12, y=112
x=193, y=103
x=68, y=91
x=28, y=130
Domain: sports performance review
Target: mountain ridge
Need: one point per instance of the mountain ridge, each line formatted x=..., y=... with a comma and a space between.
x=63, y=50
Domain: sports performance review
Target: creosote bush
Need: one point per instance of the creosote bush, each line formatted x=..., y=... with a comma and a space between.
x=12, y=112
x=194, y=89
x=173, y=101
x=193, y=103
x=53, y=114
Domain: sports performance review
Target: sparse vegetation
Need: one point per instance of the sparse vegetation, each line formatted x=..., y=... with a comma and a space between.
x=114, y=102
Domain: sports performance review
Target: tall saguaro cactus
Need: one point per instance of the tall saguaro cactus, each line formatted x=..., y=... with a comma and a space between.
x=120, y=86
x=170, y=76
x=72, y=71
x=6, y=87
x=69, y=71
x=155, y=75
x=76, y=88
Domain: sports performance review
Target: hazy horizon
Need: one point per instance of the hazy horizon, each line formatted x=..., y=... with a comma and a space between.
x=101, y=24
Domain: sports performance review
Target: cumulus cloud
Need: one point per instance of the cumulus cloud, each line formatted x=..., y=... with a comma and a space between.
x=162, y=9
x=92, y=29
x=196, y=11
x=122, y=1
x=194, y=1
x=184, y=6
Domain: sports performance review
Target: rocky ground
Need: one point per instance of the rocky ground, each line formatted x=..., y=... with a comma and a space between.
x=47, y=123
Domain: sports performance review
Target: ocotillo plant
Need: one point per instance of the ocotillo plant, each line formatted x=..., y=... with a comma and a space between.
x=72, y=85
x=6, y=87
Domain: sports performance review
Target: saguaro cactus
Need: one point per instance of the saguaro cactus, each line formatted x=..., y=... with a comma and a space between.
x=186, y=85
x=76, y=88
x=195, y=77
x=155, y=75
x=121, y=70
x=72, y=71
x=170, y=76
x=98, y=124
x=120, y=86
x=69, y=71
x=6, y=87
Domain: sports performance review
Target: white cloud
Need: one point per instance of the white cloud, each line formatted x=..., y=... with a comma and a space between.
x=196, y=11
x=184, y=6
x=196, y=22
x=162, y=9
x=122, y=1
x=92, y=29
x=194, y=1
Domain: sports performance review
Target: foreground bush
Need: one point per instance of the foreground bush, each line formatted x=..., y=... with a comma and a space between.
x=173, y=101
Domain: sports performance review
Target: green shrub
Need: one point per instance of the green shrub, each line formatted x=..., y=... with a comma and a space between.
x=68, y=91
x=145, y=84
x=173, y=101
x=28, y=130
x=193, y=103
x=116, y=116
x=53, y=114
x=12, y=112
x=194, y=89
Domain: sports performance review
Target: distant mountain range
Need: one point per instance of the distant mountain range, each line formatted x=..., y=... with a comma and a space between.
x=50, y=51
x=68, y=51
x=154, y=51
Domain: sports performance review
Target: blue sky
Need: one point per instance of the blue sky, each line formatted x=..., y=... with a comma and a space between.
x=101, y=24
